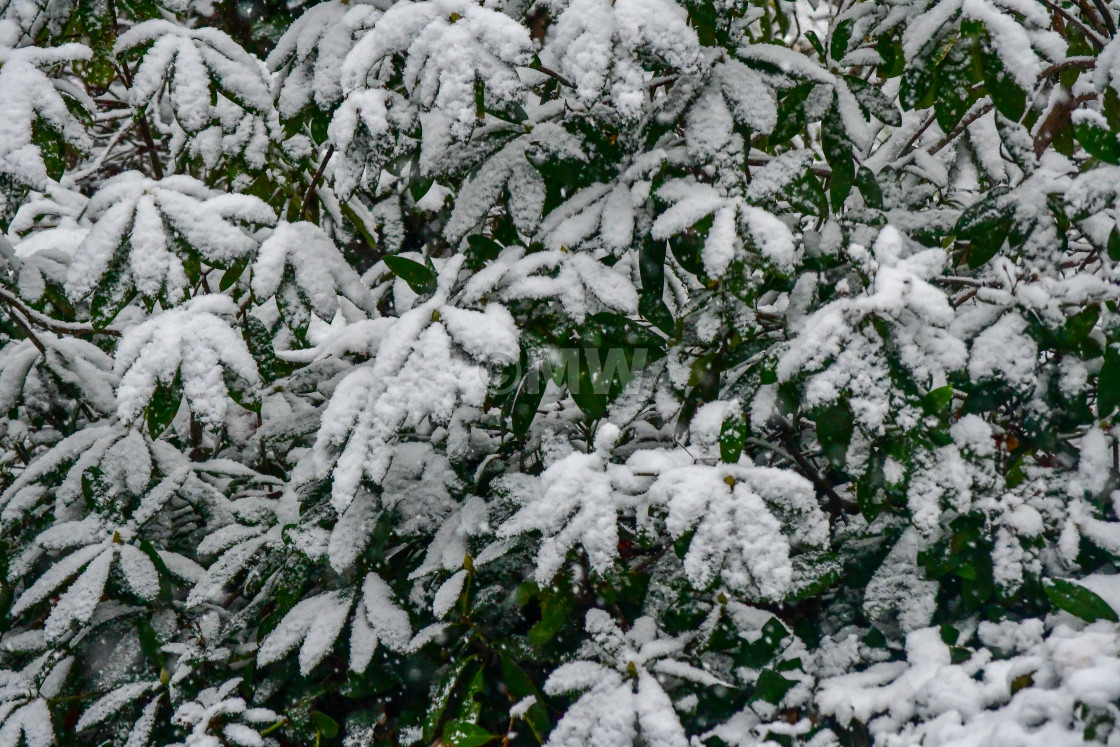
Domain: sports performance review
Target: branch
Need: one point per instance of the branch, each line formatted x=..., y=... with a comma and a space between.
x=818, y=169
x=971, y=117
x=144, y=128
x=552, y=74
x=309, y=195
x=1106, y=15
x=837, y=504
x=28, y=331
x=1090, y=35
x=50, y=324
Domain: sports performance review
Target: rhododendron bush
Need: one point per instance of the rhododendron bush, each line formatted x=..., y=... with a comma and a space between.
x=666, y=373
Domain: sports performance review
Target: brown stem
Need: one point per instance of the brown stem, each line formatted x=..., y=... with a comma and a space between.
x=1090, y=35
x=921, y=130
x=650, y=560
x=837, y=504
x=51, y=325
x=309, y=195
x=1106, y=16
x=553, y=74
x=27, y=331
x=960, y=128
x=144, y=128
x=1085, y=63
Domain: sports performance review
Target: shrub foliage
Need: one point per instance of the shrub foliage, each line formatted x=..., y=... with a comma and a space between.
x=569, y=372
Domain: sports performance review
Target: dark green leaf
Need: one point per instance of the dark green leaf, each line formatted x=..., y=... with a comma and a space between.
x=1008, y=99
x=1114, y=245
x=834, y=431
x=840, y=38
x=442, y=696
x=150, y=644
x=1077, y=328
x=557, y=606
x=163, y=406
x=1108, y=383
x=838, y=152
x=771, y=686
x=985, y=225
x=791, y=113
x=466, y=734
x=1078, y=601
x=732, y=438
x=758, y=653
x=1097, y=139
x=420, y=278
x=419, y=187
x=869, y=188
x=242, y=392
x=480, y=250
x=231, y=275
x=873, y=101
x=521, y=686
x=527, y=399
x=816, y=42
x=326, y=725
x=890, y=50
x=953, y=94
x=936, y=401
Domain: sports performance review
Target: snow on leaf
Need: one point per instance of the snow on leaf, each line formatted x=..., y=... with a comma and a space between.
x=81, y=598
x=309, y=56
x=231, y=562
x=416, y=375
x=109, y=704
x=505, y=172
x=836, y=348
x=577, y=503
x=580, y=284
x=448, y=593
x=215, y=709
x=377, y=620
x=32, y=100
x=142, y=224
x=693, y=201
x=139, y=572
x=55, y=577
x=624, y=704
x=315, y=623
x=598, y=212
x=362, y=132
x=142, y=728
x=316, y=267
x=446, y=45
x=491, y=336
x=605, y=48
x=737, y=535
x=218, y=94
x=1003, y=351
x=194, y=342
x=33, y=721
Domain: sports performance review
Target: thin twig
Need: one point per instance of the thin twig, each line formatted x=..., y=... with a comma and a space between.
x=1106, y=16
x=145, y=130
x=921, y=131
x=1089, y=34
x=52, y=325
x=1085, y=63
x=309, y=195
x=837, y=504
x=553, y=74
x=27, y=331
x=974, y=115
